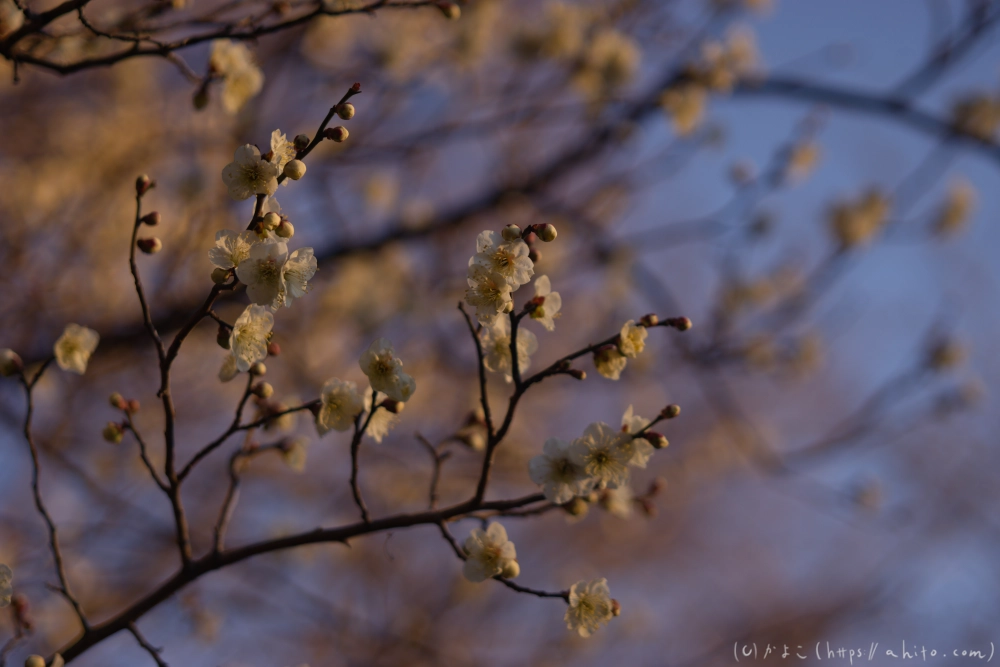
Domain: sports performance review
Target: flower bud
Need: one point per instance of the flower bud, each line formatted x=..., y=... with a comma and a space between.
x=10, y=363
x=671, y=411
x=616, y=608
x=679, y=323
x=529, y=236
x=547, y=232
x=301, y=141
x=263, y=390
x=511, y=570
x=650, y=320
x=511, y=233
x=578, y=374
x=151, y=219
x=34, y=661
x=117, y=401
x=113, y=433
x=258, y=369
x=285, y=230
x=345, y=110
x=655, y=439
x=271, y=221
x=395, y=407
x=133, y=406
x=219, y=276
x=143, y=184
x=295, y=169
x=200, y=99
x=338, y=134
x=222, y=337
x=273, y=349
x=577, y=507
x=534, y=256
x=150, y=246
x=450, y=10
x=508, y=307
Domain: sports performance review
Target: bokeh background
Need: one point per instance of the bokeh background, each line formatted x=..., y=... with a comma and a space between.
x=832, y=476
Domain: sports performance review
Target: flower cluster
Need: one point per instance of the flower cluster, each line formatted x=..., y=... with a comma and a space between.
x=241, y=78
x=599, y=459
x=503, y=263
x=610, y=360
x=342, y=405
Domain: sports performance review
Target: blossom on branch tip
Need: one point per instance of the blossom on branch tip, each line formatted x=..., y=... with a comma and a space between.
x=384, y=370
x=496, y=348
x=609, y=362
x=603, y=454
x=638, y=450
x=550, y=302
x=248, y=341
x=249, y=174
x=489, y=293
x=340, y=403
x=632, y=339
x=590, y=606
x=560, y=477
x=509, y=258
x=241, y=77
x=488, y=553
x=231, y=248
x=282, y=150
x=74, y=347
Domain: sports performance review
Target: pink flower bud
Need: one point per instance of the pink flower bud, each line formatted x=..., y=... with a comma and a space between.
x=338, y=134
x=150, y=246
x=151, y=219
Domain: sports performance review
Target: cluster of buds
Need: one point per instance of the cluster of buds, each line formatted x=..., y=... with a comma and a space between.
x=274, y=222
x=531, y=235
x=119, y=402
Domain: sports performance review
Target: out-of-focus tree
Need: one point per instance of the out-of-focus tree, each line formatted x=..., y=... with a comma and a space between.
x=801, y=181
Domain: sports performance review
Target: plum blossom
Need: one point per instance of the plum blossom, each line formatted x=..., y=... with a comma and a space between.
x=231, y=248
x=248, y=174
x=488, y=554
x=242, y=79
x=639, y=448
x=273, y=277
x=73, y=349
x=560, y=477
x=340, y=403
x=508, y=258
x=549, y=303
x=496, y=348
x=381, y=422
x=590, y=606
x=282, y=151
x=489, y=293
x=248, y=340
x=384, y=370
x=632, y=339
x=609, y=362
x=599, y=452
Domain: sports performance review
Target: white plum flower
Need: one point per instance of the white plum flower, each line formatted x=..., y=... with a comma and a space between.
x=590, y=606
x=381, y=422
x=508, y=258
x=599, y=452
x=496, y=348
x=231, y=248
x=262, y=272
x=248, y=340
x=229, y=369
x=560, y=477
x=74, y=347
x=248, y=174
x=488, y=553
x=294, y=454
x=384, y=370
x=618, y=501
x=489, y=293
x=242, y=79
x=632, y=339
x=639, y=448
x=340, y=403
x=6, y=589
x=282, y=150
x=609, y=362
x=295, y=274
x=548, y=303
